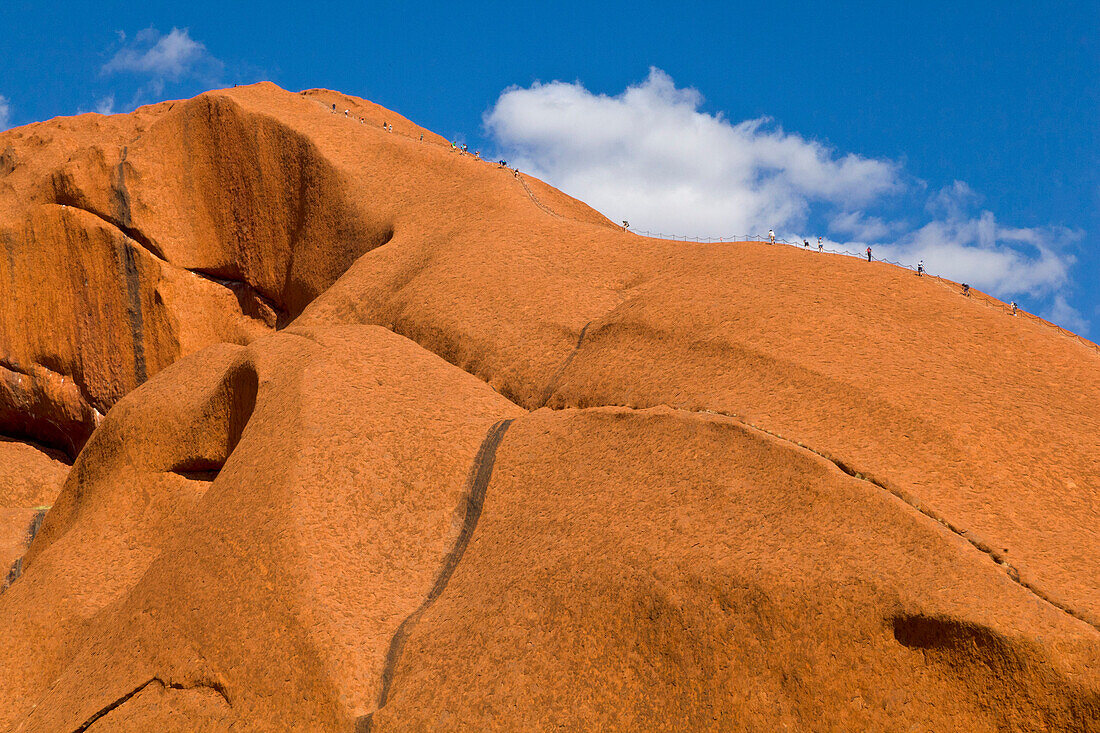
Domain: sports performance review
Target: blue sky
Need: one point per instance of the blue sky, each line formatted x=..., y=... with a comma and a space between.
x=965, y=134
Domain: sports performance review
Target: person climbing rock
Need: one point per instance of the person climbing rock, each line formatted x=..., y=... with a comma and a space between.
x=334, y=108
x=920, y=269
x=966, y=290
x=806, y=243
x=1013, y=307
x=771, y=236
x=868, y=254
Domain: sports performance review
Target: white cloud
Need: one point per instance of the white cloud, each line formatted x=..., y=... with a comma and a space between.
x=163, y=57
x=1002, y=260
x=1065, y=315
x=5, y=112
x=105, y=105
x=650, y=155
x=860, y=226
x=951, y=201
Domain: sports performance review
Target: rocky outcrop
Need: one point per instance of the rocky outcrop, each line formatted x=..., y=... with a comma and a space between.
x=397, y=440
x=258, y=508
x=210, y=224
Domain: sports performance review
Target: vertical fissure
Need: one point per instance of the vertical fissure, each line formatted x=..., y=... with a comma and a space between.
x=473, y=501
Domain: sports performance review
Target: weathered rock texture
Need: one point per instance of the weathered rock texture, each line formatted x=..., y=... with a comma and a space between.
x=398, y=440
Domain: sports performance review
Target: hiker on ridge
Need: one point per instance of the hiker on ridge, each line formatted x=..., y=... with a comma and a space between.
x=966, y=290
x=920, y=269
x=820, y=246
x=771, y=236
x=868, y=253
x=806, y=243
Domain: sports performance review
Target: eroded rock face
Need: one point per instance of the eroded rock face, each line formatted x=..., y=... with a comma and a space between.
x=198, y=222
x=723, y=575
x=30, y=478
x=397, y=440
x=257, y=508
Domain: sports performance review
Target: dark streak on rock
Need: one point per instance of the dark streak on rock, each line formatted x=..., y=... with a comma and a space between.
x=552, y=386
x=132, y=232
x=129, y=272
x=121, y=219
x=209, y=684
x=8, y=161
x=16, y=568
x=477, y=483
x=121, y=195
x=9, y=249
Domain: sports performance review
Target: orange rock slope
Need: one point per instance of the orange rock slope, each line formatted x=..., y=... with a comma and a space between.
x=397, y=439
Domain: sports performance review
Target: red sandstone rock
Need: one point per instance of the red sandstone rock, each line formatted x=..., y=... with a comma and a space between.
x=30, y=477
x=774, y=488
